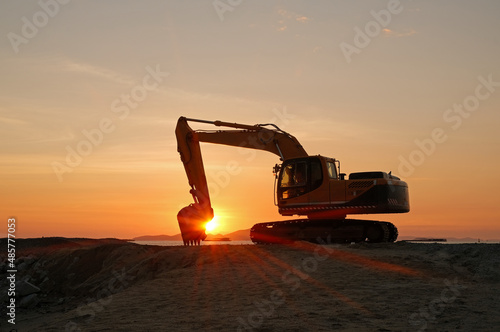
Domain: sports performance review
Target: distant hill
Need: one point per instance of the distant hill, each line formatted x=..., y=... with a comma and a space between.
x=176, y=237
x=241, y=235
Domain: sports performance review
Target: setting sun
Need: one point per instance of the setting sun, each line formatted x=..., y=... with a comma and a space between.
x=212, y=224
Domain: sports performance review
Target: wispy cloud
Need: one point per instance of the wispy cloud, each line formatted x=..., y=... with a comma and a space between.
x=392, y=33
x=282, y=27
x=105, y=73
x=317, y=49
x=12, y=121
x=292, y=16
x=289, y=16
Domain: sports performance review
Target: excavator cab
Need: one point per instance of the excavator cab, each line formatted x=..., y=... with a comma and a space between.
x=299, y=177
x=314, y=186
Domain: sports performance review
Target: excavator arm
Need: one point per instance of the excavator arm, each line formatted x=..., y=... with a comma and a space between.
x=268, y=137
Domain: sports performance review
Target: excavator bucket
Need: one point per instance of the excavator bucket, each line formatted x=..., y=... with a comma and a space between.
x=192, y=221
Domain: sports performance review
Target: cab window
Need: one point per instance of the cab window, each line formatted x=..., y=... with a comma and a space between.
x=300, y=177
x=316, y=174
x=332, y=171
x=294, y=175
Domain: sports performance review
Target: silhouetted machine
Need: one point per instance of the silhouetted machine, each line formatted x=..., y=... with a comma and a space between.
x=309, y=186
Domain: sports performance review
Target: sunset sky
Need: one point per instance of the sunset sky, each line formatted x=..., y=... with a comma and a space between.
x=91, y=92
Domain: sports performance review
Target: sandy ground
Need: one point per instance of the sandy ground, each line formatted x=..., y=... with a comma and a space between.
x=109, y=285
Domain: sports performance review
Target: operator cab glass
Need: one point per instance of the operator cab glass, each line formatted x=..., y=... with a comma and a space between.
x=299, y=177
x=332, y=170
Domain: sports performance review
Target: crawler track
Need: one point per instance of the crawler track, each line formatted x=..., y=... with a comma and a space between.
x=324, y=231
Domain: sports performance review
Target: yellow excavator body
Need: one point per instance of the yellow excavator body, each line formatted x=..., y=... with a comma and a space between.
x=310, y=186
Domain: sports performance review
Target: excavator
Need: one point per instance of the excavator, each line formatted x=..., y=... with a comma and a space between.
x=305, y=185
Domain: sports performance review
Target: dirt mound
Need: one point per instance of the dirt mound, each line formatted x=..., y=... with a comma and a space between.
x=69, y=271
x=81, y=284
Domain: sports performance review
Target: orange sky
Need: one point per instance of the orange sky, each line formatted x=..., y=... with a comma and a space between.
x=425, y=89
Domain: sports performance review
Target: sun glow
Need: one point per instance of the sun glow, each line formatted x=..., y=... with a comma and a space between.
x=212, y=224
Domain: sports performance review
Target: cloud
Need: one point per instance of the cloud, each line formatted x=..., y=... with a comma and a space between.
x=96, y=71
x=392, y=33
x=281, y=28
x=317, y=49
x=288, y=16
x=12, y=121
x=292, y=16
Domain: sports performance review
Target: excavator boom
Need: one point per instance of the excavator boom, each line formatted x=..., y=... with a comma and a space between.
x=268, y=137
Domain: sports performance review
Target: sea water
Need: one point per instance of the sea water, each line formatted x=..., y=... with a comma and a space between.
x=180, y=243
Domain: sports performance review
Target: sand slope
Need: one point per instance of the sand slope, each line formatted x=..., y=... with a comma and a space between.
x=109, y=285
